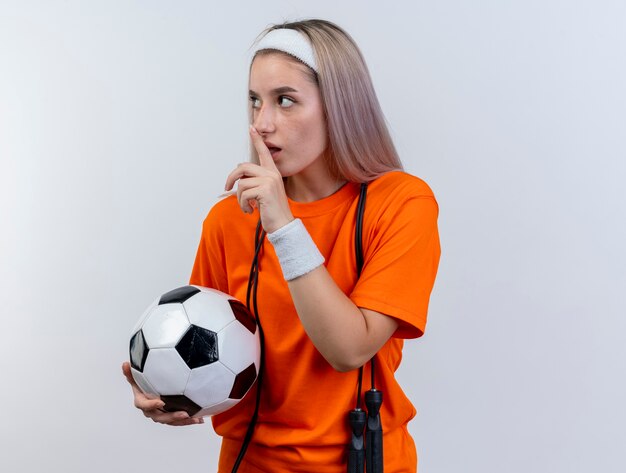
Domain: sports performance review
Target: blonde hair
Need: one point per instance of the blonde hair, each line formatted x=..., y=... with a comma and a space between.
x=361, y=148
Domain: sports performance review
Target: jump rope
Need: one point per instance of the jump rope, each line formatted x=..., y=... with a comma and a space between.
x=365, y=450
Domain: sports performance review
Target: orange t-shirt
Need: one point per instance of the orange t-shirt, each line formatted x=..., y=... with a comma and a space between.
x=302, y=424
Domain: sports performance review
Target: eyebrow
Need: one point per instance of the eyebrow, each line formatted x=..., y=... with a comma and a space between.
x=277, y=91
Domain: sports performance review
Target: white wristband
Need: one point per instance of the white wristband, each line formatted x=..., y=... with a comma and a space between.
x=296, y=250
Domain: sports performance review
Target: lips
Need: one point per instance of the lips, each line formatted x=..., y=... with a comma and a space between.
x=274, y=150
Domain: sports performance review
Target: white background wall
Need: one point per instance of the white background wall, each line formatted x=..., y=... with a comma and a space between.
x=119, y=121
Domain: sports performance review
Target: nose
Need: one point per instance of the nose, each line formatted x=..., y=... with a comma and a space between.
x=263, y=120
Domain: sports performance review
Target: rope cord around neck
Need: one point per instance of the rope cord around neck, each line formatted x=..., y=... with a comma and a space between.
x=357, y=417
x=251, y=293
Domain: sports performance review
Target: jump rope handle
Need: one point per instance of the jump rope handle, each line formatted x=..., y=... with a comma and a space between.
x=374, y=434
x=356, y=449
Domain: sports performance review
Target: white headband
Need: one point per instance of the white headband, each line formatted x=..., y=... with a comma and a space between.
x=291, y=42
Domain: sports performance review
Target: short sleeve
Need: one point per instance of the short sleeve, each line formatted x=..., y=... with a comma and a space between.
x=401, y=258
x=209, y=266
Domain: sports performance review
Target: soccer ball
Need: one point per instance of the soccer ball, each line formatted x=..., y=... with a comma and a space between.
x=198, y=349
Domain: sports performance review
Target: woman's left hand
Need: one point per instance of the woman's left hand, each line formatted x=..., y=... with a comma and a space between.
x=261, y=185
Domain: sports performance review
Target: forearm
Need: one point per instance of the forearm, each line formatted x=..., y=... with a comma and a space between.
x=345, y=335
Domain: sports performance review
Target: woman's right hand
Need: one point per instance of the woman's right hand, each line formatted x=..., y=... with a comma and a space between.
x=153, y=408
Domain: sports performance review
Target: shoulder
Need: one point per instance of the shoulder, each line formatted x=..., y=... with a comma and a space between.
x=400, y=182
x=399, y=203
x=226, y=216
x=395, y=189
x=221, y=209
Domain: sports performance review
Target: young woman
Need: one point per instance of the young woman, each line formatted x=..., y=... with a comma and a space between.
x=317, y=134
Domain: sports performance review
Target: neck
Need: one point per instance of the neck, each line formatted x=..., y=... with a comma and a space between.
x=300, y=189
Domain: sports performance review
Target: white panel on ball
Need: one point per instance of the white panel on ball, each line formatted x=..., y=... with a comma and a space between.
x=166, y=371
x=143, y=317
x=209, y=384
x=209, y=309
x=217, y=408
x=143, y=383
x=165, y=326
x=238, y=347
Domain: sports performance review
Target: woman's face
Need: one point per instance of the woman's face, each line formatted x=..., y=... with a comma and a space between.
x=287, y=111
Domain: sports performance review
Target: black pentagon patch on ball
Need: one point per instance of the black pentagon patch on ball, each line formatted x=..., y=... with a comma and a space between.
x=198, y=347
x=180, y=295
x=138, y=351
x=243, y=382
x=243, y=315
x=180, y=403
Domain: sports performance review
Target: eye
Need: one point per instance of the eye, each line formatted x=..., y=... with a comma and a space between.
x=255, y=102
x=285, y=101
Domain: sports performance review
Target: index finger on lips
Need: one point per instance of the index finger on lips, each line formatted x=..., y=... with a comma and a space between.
x=265, y=157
